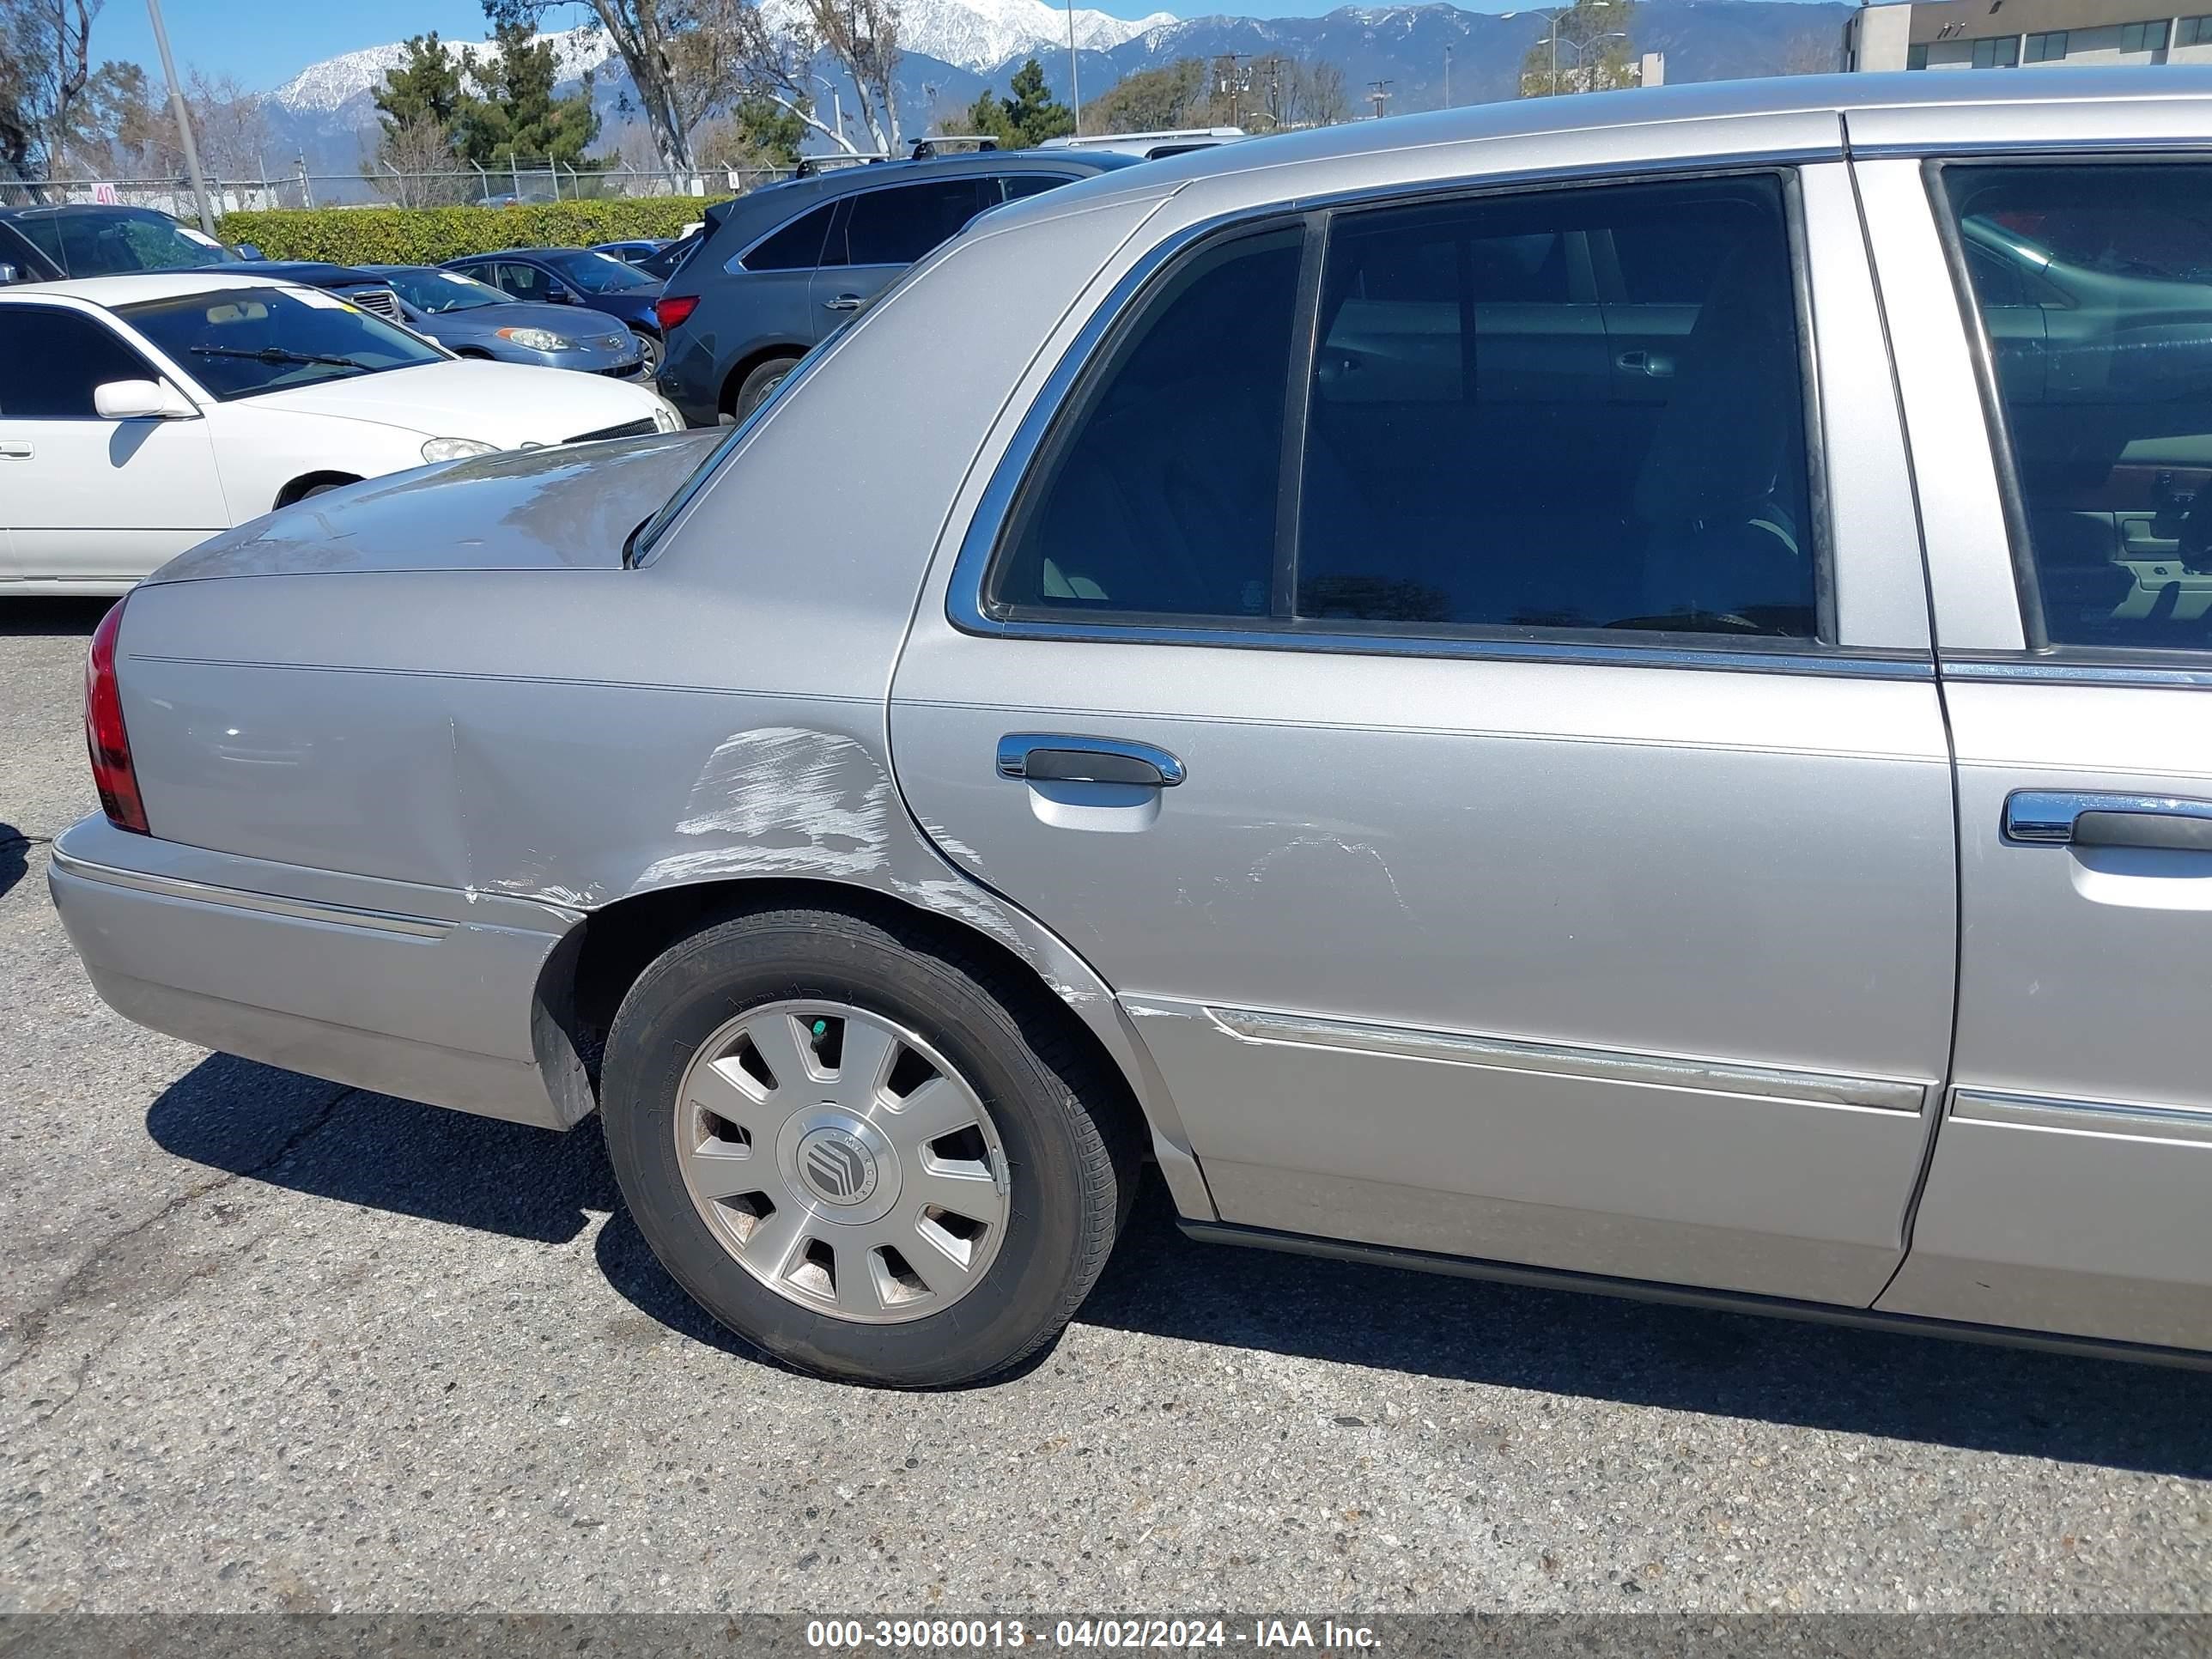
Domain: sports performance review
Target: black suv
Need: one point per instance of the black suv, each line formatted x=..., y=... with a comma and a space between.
x=48, y=244
x=783, y=266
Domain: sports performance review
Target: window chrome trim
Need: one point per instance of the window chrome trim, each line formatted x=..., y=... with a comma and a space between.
x=963, y=598
x=2029, y=669
x=1564, y=1060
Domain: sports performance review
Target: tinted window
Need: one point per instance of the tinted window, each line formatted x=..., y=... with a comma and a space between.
x=239, y=342
x=50, y=361
x=1160, y=494
x=523, y=282
x=1015, y=186
x=897, y=227
x=595, y=273
x=118, y=241
x=1477, y=456
x=798, y=246
x=2105, y=386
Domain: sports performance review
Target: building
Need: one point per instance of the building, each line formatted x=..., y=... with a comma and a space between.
x=1947, y=35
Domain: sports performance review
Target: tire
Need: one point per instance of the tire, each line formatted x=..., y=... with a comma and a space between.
x=650, y=351
x=761, y=384
x=1064, y=1131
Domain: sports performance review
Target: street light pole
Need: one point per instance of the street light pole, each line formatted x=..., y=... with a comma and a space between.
x=1448, y=75
x=1074, y=72
x=184, y=118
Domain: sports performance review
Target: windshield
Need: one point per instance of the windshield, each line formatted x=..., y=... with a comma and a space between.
x=440, y=291
x=241, y=342
x=595, y=273
x=118, y=241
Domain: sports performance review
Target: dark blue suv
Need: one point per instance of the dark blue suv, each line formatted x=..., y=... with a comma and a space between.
x=575, y=276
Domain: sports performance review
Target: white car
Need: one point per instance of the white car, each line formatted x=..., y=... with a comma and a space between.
x=140, y=415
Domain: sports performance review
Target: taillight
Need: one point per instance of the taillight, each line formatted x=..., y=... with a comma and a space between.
x=672, y=308
x=111, y=772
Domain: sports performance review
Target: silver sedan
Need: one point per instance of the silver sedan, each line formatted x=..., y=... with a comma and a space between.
x=1606, y=691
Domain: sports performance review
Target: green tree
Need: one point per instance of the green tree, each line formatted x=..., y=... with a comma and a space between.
x=426, y=87
x=1584, y=48
x=513, y=115
x=1026, y=119
x=1150, y=101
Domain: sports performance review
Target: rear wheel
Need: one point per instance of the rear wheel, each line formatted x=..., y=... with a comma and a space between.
x=873, y=1160
x=650, y=350
x=760, y=385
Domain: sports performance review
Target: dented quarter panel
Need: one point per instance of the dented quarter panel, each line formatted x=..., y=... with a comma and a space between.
x=451, y=682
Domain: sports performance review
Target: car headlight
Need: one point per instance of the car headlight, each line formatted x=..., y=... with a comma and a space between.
x=537, y=340
x=454, y=449
x=667, y=418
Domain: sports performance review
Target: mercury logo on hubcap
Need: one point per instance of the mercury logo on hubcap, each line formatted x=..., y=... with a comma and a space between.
x=837, y=1167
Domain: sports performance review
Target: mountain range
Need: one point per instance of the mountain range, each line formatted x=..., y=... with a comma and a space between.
x=955, y=49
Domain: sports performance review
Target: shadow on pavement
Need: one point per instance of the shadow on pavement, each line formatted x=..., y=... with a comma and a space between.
x=14, y=857
x=51, y=618
x=527, y=1184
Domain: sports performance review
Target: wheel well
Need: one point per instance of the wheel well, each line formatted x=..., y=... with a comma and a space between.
x=301, y=485
x=736, y=378
x=620, y=941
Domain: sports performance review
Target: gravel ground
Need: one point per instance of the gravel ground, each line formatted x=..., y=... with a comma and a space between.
x=270, y=1344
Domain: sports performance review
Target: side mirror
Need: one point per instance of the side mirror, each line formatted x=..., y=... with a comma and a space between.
x=141, y=400
x=248, y=251
x=562, y=296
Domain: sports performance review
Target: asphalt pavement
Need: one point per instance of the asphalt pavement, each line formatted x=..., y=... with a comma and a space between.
x=266, y=1343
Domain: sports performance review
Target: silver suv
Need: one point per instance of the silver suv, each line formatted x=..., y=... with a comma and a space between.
x=1606, y=690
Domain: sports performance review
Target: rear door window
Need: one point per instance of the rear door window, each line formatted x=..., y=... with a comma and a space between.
x=2094, y=284
x=1484, y=450
x=896, y=227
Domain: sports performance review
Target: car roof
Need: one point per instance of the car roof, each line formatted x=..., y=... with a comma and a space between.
x=2060, y=98
x=48, y=209
x=137, y=287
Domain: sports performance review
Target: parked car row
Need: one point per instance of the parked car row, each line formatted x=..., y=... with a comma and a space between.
x=1608, y=695
x=139, y=415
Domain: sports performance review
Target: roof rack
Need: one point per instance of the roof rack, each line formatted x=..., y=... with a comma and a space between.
x=924, y=149
x=811, y=166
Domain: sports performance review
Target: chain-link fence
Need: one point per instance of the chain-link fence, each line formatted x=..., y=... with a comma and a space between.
x=382, y=186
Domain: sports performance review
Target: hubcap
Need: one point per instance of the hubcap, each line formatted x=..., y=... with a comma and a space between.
x=842, y=1161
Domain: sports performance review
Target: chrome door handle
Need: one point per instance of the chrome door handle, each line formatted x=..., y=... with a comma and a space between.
x=12, y=450
x=1657, y=365
x=2038, y=817
x=843, y=302
x=1056, y=757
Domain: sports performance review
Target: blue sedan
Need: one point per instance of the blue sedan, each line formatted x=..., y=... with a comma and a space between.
x=575, y=276
x=475, y=320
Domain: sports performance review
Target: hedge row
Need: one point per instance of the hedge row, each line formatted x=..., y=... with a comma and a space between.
x=428, y=236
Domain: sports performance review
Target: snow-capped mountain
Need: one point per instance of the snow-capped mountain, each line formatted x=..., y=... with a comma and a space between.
x=976, y=34
x=980, y=34
x=336, y=81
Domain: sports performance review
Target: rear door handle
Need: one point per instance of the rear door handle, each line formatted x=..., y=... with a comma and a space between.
x=842, y=302
x=12, y=449
x=1058, y=757
x=1656, y=364
x=2064, y=818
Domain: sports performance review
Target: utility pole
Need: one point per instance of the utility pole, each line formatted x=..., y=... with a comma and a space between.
x=184, y=118
x=1447, y=74
x=1378, y=93
x=1232, y=78
x=1074, y=72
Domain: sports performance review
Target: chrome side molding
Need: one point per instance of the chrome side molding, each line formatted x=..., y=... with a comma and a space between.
x=235, y=898
x=1559, y=1060
x=2094, y=1117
